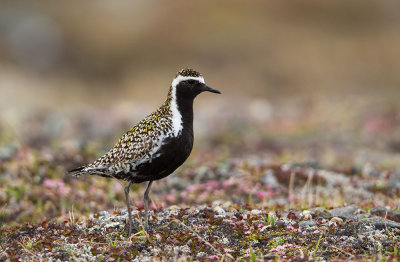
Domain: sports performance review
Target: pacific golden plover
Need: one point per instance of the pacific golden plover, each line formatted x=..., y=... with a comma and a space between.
x=157, y=145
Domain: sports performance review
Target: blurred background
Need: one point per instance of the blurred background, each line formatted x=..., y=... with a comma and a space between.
x=302, y=81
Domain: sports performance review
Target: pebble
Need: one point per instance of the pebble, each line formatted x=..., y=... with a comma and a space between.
x=113, y=225
x=141, y=259
x=346, y=212
x=158, y=237
x=394, y=183
x=269, y=179
x=307, y=223
x=280, y=223
x=179, y=250
x=174, y=208
x=265, y=228
x=386, y=213
x=307, y=214
x=379, y=223
x=225, y=241
x=286, y=213
x=320, y=212
x=104, y=214
x=255, y=212
x=156, y=251
x=201, y=255
x=6, y=153
x=219, y=210
x=337, y=220
x=379, y=211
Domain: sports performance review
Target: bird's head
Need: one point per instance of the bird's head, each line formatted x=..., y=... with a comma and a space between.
x=189, y=83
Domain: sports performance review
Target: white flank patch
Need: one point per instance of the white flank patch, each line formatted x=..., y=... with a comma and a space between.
x=150, y=156
x=176, y=115
x=94, y=168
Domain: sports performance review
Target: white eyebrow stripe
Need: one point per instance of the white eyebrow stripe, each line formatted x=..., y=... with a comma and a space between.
x=180, y=78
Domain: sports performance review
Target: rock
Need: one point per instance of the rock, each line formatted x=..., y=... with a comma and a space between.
x=201, y=255
x=177, y=183
x=307, y=223
x=113, y=225
x=141, y=259
x=291, y=214
x=271, y=256
x=156, y=251
x=104, y=214
x=226, y=204
x=6, y=153
x=121, y=219
x=280, y=223
x=348, y=212
x=307, y=214
x=394, y=184
x=181, y=250
x=394, y=216
x=124, y=212
x=379, y=211
x=192, y=211
x=379, y=223
x=320, y=212
x=269, y=179
x=174, y=208
x=225, y=241
x=368, y=171
x=265, y=228
x=385, y=213
x=337, y=220
x=219, y=210
x=311, y=164
x=255, y=212
x=333, y=178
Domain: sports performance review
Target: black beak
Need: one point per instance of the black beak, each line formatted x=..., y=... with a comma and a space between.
x=210, y=89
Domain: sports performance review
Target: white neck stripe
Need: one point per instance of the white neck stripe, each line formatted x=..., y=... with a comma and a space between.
x=176, y=115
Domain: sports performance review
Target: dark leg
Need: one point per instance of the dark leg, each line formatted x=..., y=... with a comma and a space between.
x=146, y=205
x=128, y=206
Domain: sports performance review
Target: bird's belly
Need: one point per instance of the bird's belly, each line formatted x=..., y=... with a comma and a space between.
x=166, y=160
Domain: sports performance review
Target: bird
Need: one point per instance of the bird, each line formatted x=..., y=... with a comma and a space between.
x=157, y=145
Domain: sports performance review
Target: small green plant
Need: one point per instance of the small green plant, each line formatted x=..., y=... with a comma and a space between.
x=67, y=249
x=29, y=244
x=250, y=200
x=142, y=233
x=317, y=246
x=71, y=216
x=271, y=219
x=113, y=243
x=252, y=255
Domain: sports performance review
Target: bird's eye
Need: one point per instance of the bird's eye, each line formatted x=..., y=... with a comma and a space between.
x=191, y=82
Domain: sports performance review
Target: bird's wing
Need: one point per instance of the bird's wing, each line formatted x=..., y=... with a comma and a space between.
x=136, y=146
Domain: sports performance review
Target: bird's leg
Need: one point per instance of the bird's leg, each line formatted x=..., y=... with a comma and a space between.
x=146, y=205
x=128, y=205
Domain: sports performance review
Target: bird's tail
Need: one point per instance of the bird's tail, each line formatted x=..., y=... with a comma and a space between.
x=80, y=171
x=77, y=172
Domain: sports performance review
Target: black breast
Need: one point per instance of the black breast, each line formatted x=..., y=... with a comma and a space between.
x=171, y=155
x=174, y=151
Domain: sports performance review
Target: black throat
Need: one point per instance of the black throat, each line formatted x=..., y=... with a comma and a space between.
x=185, y=108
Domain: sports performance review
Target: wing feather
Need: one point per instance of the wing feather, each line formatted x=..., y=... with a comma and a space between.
x=136, y=146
